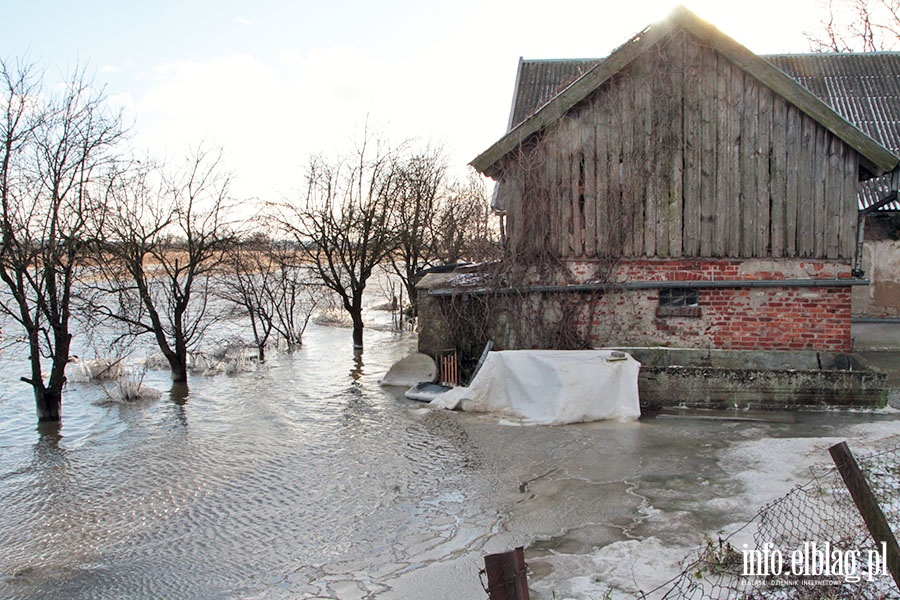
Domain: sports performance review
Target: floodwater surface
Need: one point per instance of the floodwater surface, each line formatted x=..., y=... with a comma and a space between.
x=305, y=479
x=286, y=478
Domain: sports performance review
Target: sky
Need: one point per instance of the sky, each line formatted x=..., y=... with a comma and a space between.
x=275, y=82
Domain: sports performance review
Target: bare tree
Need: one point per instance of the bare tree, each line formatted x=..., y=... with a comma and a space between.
x=438, y=221
x=166, y=240
x=420, y=180
x=296, y=295
x=246, y=285
x=53, y=153
x=858, y=26
x=344, y=224
x=266, y=283
x=465, y=224
x=388, y=206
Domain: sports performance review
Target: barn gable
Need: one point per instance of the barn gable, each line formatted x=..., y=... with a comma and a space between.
x=683, y=144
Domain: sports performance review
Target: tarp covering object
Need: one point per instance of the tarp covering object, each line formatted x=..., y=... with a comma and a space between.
x=411, y=370
x=552, y=387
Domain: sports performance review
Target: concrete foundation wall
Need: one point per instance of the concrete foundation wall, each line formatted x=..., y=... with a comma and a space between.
x=722, y=379
x=707, y=387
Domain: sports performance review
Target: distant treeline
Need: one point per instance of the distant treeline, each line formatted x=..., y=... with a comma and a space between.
x=90, y=233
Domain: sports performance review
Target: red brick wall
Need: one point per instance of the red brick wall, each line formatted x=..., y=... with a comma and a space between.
x=766, y=318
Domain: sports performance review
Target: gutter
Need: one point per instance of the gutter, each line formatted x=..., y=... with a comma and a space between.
x=882, y=320
x=652, y=285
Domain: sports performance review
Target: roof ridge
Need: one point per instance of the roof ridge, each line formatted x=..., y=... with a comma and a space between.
x=536, y=60
x=876, y=156
x=835, y=54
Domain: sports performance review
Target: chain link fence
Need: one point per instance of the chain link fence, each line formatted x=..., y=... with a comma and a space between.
x=811, y=543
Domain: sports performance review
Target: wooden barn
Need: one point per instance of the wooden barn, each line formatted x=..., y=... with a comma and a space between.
x=864, y=88
x=710, y=198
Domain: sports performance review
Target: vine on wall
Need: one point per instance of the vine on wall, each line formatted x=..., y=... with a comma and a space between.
x=579, y=198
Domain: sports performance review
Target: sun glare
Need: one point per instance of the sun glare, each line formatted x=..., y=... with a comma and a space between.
x=763, y=26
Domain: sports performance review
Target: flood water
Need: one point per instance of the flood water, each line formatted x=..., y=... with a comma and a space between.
x=307, y=480
x=255, y=482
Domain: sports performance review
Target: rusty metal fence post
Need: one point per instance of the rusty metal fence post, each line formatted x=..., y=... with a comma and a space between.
x=506, y=575
x=867, y=504
x=449, y=368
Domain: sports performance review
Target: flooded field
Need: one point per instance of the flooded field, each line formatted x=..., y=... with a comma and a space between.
x=305, y=479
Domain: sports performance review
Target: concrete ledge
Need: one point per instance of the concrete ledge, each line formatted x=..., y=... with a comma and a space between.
x=744, y=379
x=876, y=335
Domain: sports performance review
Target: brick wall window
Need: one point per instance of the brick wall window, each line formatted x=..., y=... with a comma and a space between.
x=678, y=302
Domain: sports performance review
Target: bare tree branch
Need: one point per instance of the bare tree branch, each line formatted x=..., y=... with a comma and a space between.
x=167, y=236
x=55, y=153
x=858, y=26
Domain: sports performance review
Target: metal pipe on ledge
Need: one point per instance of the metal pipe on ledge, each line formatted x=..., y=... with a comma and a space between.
x=653, y=285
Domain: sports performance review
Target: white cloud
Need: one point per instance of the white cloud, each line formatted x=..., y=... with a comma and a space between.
x=268, y=118
x=290, y=58
x=453, y=87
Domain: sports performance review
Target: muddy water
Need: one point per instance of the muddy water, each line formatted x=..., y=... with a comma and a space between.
x=307, y=480
x=283, y=479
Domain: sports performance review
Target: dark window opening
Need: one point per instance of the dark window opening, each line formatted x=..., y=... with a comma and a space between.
x=678, y=302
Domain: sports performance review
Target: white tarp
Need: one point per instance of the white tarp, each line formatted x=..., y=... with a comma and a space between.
x=552, y=387
x=411, y=370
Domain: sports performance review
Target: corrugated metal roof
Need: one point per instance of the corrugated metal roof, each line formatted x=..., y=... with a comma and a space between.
x=540, y=80
x=537, y=82
x=864, y=88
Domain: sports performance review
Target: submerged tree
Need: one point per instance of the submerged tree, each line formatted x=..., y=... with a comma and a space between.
x=54, y=150
x=344, y=224
x=392, y=207
x=437, y=221
x=420, y=180
x=166, y=239
x=267, y=282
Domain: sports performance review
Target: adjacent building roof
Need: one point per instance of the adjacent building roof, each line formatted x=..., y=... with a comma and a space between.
x=537, y=81
x=856, y=97
x=864, y=88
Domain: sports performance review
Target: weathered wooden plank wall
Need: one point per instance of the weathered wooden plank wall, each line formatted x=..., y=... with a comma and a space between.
x=696, y=116
x=684, y=154
x=779, y=178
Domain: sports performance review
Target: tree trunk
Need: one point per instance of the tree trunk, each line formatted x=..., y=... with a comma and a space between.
x=357, y=329
x=178, y=365
x=49, y=404
x=261, y=353
x=179, y=373
x=410, y=286
x=48, y=398
x=355, y=310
